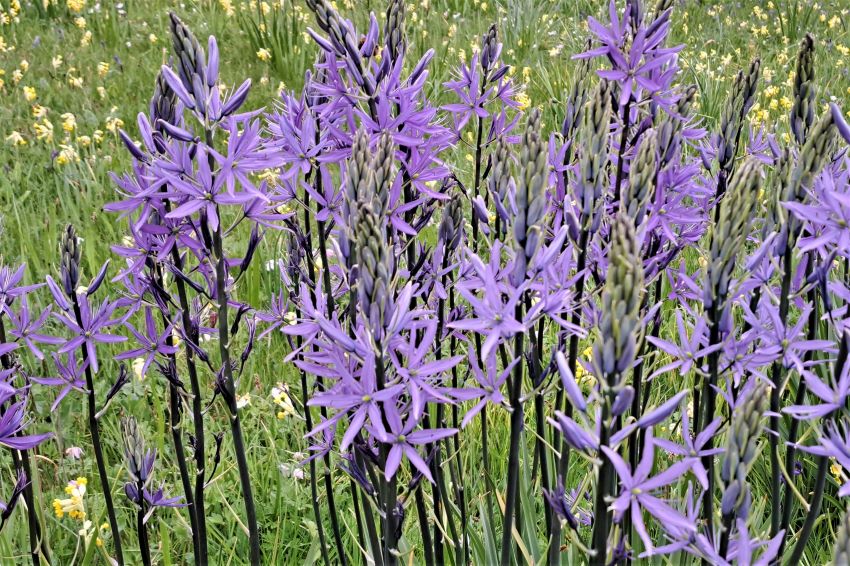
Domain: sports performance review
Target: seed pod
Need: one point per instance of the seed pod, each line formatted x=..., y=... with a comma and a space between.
x=69, y=264
x=615, y=349
x=394, y=33
x=594, y=156
x=641, y=186
x=530, y=196
x=744, y=432
x=731, y=231
x=803, y=110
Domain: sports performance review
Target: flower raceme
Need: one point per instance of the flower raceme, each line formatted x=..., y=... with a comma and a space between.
x=610, y=308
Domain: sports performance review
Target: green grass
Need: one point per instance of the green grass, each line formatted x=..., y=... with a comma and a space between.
x=43, y=186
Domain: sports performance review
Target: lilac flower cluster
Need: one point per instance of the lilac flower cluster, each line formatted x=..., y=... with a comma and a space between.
x=630, y=312
x=574, y=238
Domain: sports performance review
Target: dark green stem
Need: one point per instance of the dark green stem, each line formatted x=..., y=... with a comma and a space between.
x=512, y=496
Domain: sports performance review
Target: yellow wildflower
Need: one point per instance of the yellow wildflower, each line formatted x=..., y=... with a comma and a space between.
x=24, y=65
x=73, y=506
x=44, y=131
x=152, y=38
x=30, y=94
x=67, y=154
x=264, y=54
x=69, y=122
x=15, y=138
x=523, y=101
x=113, y=124
x=17, y=75
x=102, y=68
x=80, y=22
x=39, y=111
x=86, y=39
x=57, y=61
x=282, y=398
x=76, y=6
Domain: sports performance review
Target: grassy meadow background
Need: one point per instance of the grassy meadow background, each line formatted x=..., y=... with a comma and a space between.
x=72, y=72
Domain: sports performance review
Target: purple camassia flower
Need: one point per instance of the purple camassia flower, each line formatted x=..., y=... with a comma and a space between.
x=834, y=442
x=153, y=499
x=473, y=95
x=6, y=507
x=204, y=192
x=692, y=448
x=70, y=377
x=91, y=332
x=404, y=440
x=826, y=215
x=356, y=397
x=691, y=349
x=832, y=394
x=9, y=288
x=12, y=424
x=635, y=55
x=636, y=485
x=687, y=539
x=26, y=330
x=790, y=341
x=743, y=548
x=494, y=311
x=488, y=386
x=150, y=343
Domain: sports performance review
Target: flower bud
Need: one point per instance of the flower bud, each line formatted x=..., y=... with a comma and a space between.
x=69, y=264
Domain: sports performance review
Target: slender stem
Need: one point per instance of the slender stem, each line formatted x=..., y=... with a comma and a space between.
x=621, y=151
x=512, y=497
x=191, y=334
x=710, y=402
x=144, y=544
x=94, y=428
x=814, y=511
x=329, y=300
x=314, y=488
x=21, y=460
x=422, y=515
x=600, y=508
x=235, y=423
x=799, y=398
x=175, y=416
x=775, y=396
x=479, y=135
x=374, y=541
